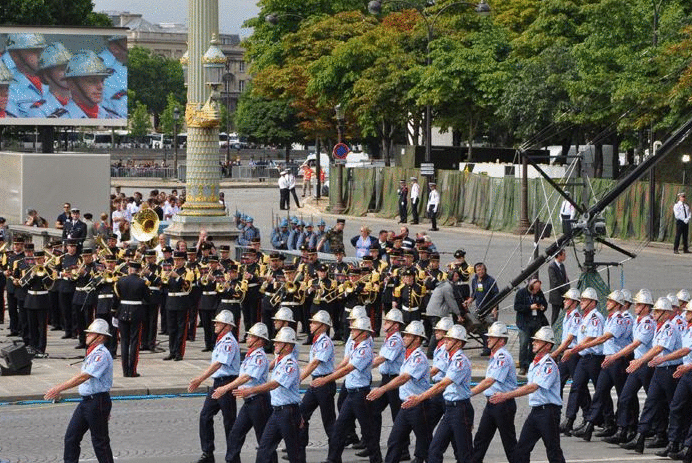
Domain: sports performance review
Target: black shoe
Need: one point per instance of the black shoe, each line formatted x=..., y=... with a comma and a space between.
x=672, y=447
x=178, y=358
x=56, y=328
x=585, y=432
x=435, y=229
x=363, y=453
x=169, y=357
x=351, y=439
x=658, y=442
x=636, y=444
x=417, y=460
x=523, y=371
x=618, y=438
x=676, y=251
x=684, y=454
x=11, y=334
x=581, y=426
x=566, y=426
x=405, y=456
x=607, y=431
x=686, y=251
x=206, y=458
x=360, y=445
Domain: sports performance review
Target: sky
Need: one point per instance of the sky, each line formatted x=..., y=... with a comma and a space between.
x=232, y=13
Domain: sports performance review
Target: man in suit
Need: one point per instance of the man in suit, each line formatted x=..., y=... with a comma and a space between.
x=559, y=284
x=530, y=305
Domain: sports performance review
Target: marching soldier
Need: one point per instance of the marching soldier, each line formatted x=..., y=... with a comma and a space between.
x=408, y=297
x=37, y=282
x=256, y=408
x=177, y=282
x=543, y=389
x=440, y=364
x=279, y=236
x=224, y=369
x=133, y=295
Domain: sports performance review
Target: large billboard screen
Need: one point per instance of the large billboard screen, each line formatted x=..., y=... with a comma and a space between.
x=63, y=76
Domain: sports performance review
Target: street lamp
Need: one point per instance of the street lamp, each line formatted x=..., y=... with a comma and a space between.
x=339, y=207
x=176, y=117
x=482, y=8
x=685, y=161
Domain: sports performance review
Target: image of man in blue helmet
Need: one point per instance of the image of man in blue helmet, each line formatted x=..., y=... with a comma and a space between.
x=85, y=75
x=6, y=79
x=115, y=56
x=22, y=59
x=51, y=71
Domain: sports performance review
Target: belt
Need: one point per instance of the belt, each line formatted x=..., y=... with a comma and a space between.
x=545, y=407
x=178, y=294
x=456, y=403
x=319, y=376
x=105, y=296
x=230, y=301
x=252, y=285
x=268, y=294
x=131, y=302
x=37, y=293
x=284, y=407
x=409, y=309
x=358, y=389
x=667, y=367
x=95, y=396
x=155, y=288
x=208, y=293
x=81, y=289
x=290, y=303
x=253, y=398
x=588, y=356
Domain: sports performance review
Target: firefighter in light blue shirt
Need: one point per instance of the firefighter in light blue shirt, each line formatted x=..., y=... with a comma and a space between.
x=256, y=407
x=543, y=389
x=662, y=386
x=500, y=376
x=95, y=381
x=115, y=86
x=22, y=59
x=436, y=405
x=457, y=421
x=51, y=70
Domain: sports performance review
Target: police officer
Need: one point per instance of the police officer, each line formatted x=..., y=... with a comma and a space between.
x=224, y=369
x=133, y=294
x=628, y=402
x=662, y=386
x=590, y=358
x=613, y=339
x=283, y=387
x=457, y=421
x=84, y=75
x=402, y=192
x=543, y=389
x=413, y=379
x=92, y=413
x=357, y=383
x=500, y=376
x=51, y=70
x=256, y=408
x=321, y=364
x=22, y=59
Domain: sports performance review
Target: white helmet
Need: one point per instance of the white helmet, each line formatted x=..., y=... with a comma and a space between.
x=673, y=300
x=286, y=335
x=362, y=324
x=644, y=296
x=457, y=332
x=572, y=294
x=357, y=311
x=684, y=295
x=589, y=293
x=498, y=330
x=259, y=330
x=616, y=296
x=322, y=317
x=416, y=328
x=546, y=333
x=394, y=315
x=663, y=303
x=98, y=326
x=284, y=314
x=626, y=295
x=444, y=324
x=225, y=316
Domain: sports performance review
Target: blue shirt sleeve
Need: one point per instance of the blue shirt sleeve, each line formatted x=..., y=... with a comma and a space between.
x=226, y=353
x=594, y=327
x=288, y=373
x=391, y=348
x=323, y=350
x=360, y=358
x=459, y=371
x=416, y=367
x=666, y=337
x=546, y=376
x=499, y=367
x=96, y=365
x=256, y=366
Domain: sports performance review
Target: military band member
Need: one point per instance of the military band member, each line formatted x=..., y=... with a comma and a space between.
x=177, y=281
x=408, y=297
x=290, y=294
x=104, y=284
x=224, y=369
x=66, y=287
x=17, y=255
x=83, y=301
x=193, y=265
x=231, y=294
x=284, y=422
x=256, y=408
x=321, y=364
x=37, y=280
x=211, y=276
x=150, y=324
x=251, y=305
x=21, y=267
x=543, y=389
x=93, y=412
x=133, y=296
x=413, y=379
x=224, y=256
x=500, y=376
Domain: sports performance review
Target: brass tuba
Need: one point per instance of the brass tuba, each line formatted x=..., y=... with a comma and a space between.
x=145, y=225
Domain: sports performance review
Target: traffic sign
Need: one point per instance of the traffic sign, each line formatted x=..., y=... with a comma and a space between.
x=340, y=151
x=427, y=168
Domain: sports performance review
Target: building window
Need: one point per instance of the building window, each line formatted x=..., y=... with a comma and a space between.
x=241, y=85
x=241, y=66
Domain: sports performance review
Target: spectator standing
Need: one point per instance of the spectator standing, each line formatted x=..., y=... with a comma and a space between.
x=292, y=187
x=4, y=231
x=567, y=214
x=101, y=228
x=284, y=200
x=483, y=289
x=363, y=242
x=559, y=284
x=117, y=217
x=415, y=200
x=433, y=205
x=307, y=180
x=681, y=210
x=90, y=231
x=63, y=217
x=402, y=192
x=530, y=305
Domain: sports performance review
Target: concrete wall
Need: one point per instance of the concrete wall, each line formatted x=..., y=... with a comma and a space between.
x=45, y=181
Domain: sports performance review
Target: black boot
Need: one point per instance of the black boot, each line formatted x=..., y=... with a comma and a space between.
x=585, y=432
x=618, y=438
x=607, y=431
x=578, y=428
x=684, y=454
x=636, y=444
x=658, y=442
x=206, y=458
x=566, y=426
x=672, y=447
x=360, y=445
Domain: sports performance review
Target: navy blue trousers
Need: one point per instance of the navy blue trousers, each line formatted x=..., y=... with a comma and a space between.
x=455, y=426
x=355, y=407
x=226, y=404
x=628, y=401
x=658, y=396
x=602, y=407
x=91, y=414
x=390, y=398
x=680, y=408
x=407, y=420
x=567, y=370
x=254, y=413
x=542, y=423
x=282, y=424
x=322, y=397
x=496, y=416
x=588, y=368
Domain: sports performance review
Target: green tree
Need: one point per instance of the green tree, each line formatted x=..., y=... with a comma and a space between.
x=166, y=121
x=153, y=78
x=140, y=122
x=51, y=12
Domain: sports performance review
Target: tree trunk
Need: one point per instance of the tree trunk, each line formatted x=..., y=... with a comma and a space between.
x=288, y=152
x=598, y=160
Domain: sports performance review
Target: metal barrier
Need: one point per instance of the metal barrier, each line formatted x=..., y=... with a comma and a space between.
x=148, y=172
x=258, y=172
